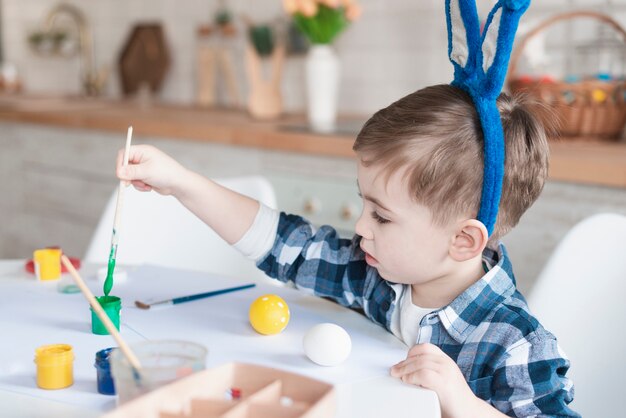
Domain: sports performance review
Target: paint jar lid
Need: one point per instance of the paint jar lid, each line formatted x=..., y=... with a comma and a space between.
x=103, y=356
x=54, y=354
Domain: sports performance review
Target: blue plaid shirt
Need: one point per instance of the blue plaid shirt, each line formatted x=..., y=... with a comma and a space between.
x=505, y=355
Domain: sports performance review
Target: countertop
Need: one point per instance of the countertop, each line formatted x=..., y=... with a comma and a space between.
x=574, y=160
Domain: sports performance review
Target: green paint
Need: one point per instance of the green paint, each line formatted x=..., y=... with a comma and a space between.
x=112, y=306
x=69, y=288
x=108, y=283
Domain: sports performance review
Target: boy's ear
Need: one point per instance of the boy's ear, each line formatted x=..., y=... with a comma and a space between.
x=469, y=241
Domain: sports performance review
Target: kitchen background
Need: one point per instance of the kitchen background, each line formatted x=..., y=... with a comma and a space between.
x=395, y=47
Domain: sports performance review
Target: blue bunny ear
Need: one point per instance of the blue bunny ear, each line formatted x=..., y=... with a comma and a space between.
x=497, y=42
x=490, y=37
x=458, y=50
x=480, y=66
x=463, y=37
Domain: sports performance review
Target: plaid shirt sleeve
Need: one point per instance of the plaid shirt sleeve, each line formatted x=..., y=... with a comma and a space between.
x=531, y=380
x=317, y=260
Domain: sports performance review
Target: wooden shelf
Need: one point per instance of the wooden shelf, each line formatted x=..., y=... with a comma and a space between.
x=579, y=161
x=584, y=161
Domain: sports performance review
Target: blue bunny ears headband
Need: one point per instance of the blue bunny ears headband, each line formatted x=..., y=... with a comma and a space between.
x=480, y=65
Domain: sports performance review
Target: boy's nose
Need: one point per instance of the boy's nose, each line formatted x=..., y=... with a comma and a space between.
x=361, y=228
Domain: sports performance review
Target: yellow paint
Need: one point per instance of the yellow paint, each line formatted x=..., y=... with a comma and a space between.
x=47, y=263
x=54, y=366
x=598, y=96
x=269, y=314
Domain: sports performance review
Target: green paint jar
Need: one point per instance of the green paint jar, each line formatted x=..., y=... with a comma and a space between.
x=112, y=306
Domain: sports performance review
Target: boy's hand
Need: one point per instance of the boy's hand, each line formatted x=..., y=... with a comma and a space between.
x=429, y=367
x=150, y=169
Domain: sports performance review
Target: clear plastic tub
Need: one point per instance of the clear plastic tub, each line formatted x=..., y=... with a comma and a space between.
x=161, y=362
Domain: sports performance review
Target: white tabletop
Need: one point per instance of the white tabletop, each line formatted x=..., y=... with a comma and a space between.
x=34, y=313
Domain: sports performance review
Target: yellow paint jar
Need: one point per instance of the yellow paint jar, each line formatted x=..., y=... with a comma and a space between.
x=54, y=366
x=47, y=263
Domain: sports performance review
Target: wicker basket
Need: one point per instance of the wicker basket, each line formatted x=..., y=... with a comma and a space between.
x=587, y=109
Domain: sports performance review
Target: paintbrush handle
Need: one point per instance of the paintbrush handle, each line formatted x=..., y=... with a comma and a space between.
x=116, y=219
x=104, y=318
x=120, y=191
x=209, y=294
x=108, y=282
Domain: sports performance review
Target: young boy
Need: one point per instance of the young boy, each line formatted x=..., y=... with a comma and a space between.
x=420, y=264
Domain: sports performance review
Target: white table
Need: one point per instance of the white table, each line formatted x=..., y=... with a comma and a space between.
x=34, y=313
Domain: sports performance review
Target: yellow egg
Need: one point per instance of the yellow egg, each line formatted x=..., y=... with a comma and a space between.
x=269, y=314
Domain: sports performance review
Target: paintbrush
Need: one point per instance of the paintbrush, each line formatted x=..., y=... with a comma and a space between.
x=108, y=283
x=182, y=299
x=104, y=318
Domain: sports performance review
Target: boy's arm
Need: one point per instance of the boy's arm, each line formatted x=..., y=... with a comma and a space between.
x=289, y=248
x=532, y=381
x=529, y=381
x=429, y=367
x=314, y=259
x=228, y=213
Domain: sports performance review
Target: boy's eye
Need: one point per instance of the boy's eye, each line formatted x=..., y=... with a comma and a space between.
x=379, y=218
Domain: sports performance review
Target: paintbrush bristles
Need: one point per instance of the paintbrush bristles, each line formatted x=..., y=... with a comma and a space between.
x=141, y=305
x=104, y=318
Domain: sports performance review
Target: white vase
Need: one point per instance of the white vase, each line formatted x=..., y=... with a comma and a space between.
x=323, y=71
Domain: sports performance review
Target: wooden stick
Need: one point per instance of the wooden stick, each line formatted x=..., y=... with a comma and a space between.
x=132, y=359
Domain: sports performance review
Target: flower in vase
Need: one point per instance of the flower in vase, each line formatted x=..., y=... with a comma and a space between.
x=322, y=20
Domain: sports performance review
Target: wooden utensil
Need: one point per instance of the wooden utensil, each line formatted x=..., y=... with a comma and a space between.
x=128, y=353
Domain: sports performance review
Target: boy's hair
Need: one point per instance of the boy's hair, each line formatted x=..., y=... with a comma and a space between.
x=436, y=133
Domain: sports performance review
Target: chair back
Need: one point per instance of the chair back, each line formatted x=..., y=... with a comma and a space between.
x=579, y=297
x=159, y=230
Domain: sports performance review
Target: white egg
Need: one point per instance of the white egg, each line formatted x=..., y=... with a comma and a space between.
x=327, y=344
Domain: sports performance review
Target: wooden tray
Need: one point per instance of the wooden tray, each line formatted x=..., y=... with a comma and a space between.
x=265, y=392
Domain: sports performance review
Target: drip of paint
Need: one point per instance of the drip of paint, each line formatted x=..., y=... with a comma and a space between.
x=108, y=282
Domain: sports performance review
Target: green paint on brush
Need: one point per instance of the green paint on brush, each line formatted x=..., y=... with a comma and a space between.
x=108, y=283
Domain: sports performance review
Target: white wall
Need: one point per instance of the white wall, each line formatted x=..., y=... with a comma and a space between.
x=396, y=47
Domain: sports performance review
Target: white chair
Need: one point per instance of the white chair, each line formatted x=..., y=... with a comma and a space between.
x=159, y=230
x=579, y=296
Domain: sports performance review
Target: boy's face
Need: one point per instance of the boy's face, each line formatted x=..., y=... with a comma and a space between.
x=399, y=238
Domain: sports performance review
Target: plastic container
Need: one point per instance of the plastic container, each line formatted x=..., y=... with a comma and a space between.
x=103, y=372
x=47, y=263
x=112, y=306
x=161, y=362
x=55, y=366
